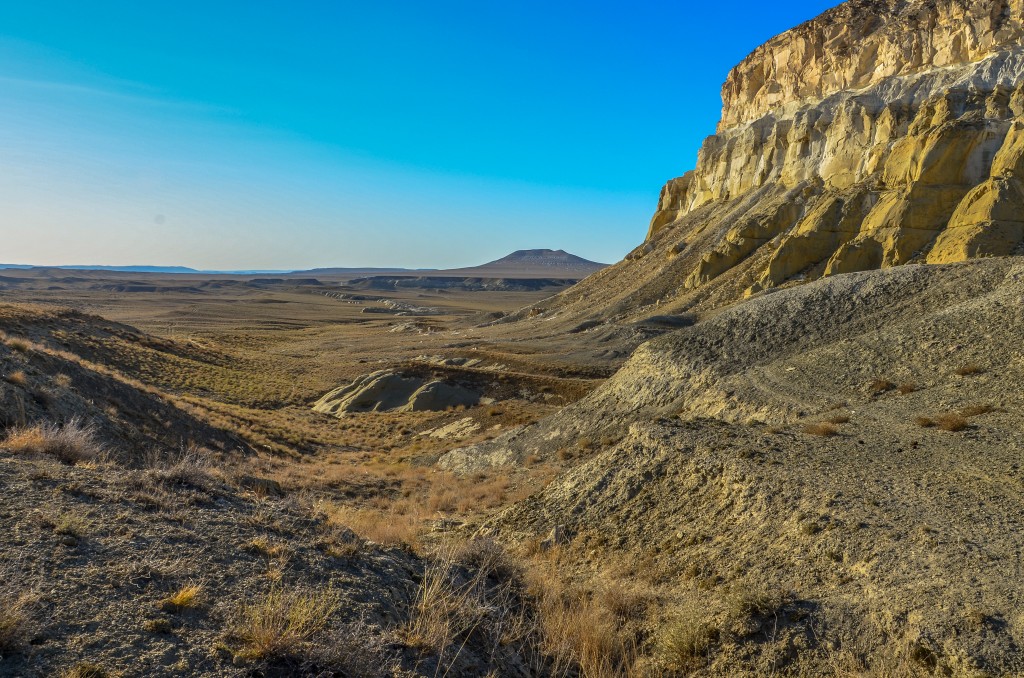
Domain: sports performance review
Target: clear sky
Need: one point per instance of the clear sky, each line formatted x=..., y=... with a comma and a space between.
x=277, y=135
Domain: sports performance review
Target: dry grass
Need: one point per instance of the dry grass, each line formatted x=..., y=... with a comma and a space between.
x=185, y=598
x=19, y=345
x=87, y=670
x=15, y=623
x=281, y=623
x=952, y=422
x=969, y=369
x=924, y=422
x=685, y=641
x=71, y=443
x=402, y=524
x=839, y=419
x=879, y=386
x=977, y=410
x=825, y=429
x=907, y=388
x=17, y=378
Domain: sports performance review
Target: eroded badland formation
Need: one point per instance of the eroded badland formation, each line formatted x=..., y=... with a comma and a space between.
x=784, y=436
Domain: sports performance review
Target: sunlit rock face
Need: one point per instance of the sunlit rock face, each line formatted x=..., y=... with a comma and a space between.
x=881, y=133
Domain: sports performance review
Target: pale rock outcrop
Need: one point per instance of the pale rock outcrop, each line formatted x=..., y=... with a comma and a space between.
x=390, y=391
x=881, y=133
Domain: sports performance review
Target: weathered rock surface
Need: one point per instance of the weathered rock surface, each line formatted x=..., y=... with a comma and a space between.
x=385, y=390
x=892, y=129
x=883, y=132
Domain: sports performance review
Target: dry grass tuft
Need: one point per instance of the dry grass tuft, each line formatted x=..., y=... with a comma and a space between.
x=970, y=369
x=87, y=670
x=825, y=429
x=907, y=388
x=977, y=410
x=19, y=345
x=952, y=422
x=925, y=422
x=17, y=378
x=15, y=624
x=684, y=642
x=356, y=650
x=189, y=467
x=282, y=623
x=879, y=386
x=71, y=443
x=839, y=419
x=185, y=598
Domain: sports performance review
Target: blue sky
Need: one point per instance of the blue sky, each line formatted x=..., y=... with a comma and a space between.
x=231, y=135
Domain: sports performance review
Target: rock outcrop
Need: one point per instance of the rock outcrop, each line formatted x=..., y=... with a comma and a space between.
x=385, y=391
x=875, y=135
x=883, y=132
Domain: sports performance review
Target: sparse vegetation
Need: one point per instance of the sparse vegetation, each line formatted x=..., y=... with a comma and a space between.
x=825, y=429
x=283, y=622
x=15, y=622
x=952, y=422
x=977, y=410
x=685, y=640
x=907, y=388
x=880, y=386
x=19, y=345
x=970, y=369
x=185, y=598
x=72, y=443
x=924, y=422
x=17, y=378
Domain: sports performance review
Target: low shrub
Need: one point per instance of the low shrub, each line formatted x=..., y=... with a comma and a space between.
x=71, y=443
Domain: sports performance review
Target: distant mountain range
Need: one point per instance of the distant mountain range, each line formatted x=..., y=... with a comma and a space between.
x=522, y=263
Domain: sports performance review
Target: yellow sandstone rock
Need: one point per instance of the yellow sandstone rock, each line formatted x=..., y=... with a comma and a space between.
x=899, y=125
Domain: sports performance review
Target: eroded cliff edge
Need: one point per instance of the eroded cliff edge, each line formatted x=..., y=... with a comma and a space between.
x=878, y=134
x=881, y=133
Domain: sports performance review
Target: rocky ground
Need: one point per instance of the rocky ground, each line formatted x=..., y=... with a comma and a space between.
x=854, y=443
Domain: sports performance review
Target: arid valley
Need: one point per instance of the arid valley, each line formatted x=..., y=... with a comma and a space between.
x=782, y=436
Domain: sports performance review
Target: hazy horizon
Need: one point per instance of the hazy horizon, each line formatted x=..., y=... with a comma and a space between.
x=231, y=137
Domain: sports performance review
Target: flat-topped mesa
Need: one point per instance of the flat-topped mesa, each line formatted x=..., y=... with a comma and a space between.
x=882, y=132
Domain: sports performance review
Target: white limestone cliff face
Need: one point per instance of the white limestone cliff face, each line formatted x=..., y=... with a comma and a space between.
x=882, y=132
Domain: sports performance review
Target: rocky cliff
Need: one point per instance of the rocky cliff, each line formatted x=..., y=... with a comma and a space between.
x=880, y=133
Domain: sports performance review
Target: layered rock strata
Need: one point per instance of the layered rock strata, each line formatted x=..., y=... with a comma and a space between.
x=880, y=133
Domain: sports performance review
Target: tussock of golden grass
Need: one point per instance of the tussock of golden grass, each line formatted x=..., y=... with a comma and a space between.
x=17, y=378
x=87, y=670
x=15, y=622
x=952, y=422
x=907, y=388
x=280, y=623
x=924, y=422
x=685, y=640
x=577, y=630
x=977, y=410
x=839, y=419
x=71, y=444
x=19, y=345
x=970, y=369
x=185, y=598
x=824, y=429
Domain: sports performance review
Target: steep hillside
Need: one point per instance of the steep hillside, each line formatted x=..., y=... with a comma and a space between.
x=879, y=134
x=853, y=443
